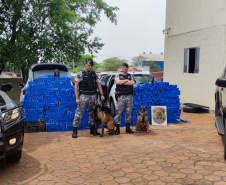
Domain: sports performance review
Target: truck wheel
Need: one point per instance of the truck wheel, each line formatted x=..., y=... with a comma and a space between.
x=14, y=157
x=112, y=106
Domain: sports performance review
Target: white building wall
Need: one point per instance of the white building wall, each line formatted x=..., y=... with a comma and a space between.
x=195, y=23
x=184, y=16
x=196, y=88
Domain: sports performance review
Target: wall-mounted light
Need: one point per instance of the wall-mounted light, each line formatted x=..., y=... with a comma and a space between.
x=166, y=31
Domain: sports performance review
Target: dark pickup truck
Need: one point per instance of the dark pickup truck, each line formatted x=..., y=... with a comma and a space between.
x=220, y=107
x=11, y=127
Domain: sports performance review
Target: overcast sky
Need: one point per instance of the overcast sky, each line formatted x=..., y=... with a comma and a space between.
x=139, y=29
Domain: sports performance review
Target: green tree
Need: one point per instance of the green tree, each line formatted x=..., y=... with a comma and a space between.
x=136, y=61
x=153, y=66
x=49, y=30
x=81, y=61
x=112, y=64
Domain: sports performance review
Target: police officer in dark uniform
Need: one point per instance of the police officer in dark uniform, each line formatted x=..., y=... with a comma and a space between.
x=124, y=92
x=86, y=84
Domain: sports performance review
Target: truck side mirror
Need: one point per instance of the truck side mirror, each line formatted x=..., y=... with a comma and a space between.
x=221, y=82
x=21, y=85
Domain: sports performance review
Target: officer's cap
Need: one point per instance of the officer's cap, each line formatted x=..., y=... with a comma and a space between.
x=125, y=64
x=90, y=61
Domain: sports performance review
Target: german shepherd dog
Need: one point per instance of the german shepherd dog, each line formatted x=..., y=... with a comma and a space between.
x=102, y=115
x=142, y=120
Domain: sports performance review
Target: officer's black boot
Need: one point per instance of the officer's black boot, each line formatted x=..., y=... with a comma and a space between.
x=128, y=129
x=93, y=130
x=97, y=133
x=117, y=132
x=74, y=134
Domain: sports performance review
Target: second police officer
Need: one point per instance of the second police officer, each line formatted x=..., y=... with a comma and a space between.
x=124, y=93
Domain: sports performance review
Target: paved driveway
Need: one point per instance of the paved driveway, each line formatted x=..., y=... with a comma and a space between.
x=184, y=153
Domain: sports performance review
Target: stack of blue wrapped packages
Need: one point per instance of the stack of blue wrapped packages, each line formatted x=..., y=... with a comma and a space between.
x=157, y=94
x=53, y=100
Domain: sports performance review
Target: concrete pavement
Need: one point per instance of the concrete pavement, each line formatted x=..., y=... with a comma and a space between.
x=183, y=153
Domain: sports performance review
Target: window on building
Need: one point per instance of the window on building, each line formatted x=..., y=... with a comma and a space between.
x=191, y=60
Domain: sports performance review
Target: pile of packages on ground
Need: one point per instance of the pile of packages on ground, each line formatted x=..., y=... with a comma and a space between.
x=53, y=101
x=157, y=94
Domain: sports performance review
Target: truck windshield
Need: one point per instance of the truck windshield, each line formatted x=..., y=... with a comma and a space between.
x=141, y=79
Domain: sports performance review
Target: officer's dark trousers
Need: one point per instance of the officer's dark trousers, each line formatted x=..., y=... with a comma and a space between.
x=127, y=101
x=84, y=100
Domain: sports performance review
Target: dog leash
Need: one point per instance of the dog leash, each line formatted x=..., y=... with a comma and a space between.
x=101, y=104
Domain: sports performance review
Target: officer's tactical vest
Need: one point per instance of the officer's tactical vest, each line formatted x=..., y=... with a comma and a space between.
x=88, y=85
x=124, y=89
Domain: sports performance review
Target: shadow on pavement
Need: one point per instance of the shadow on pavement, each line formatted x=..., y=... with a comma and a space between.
x=20, y=172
